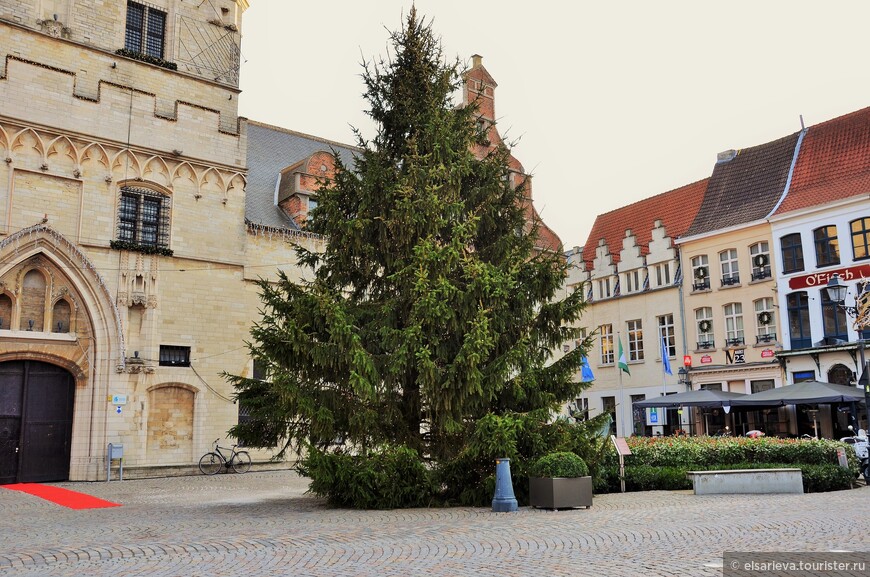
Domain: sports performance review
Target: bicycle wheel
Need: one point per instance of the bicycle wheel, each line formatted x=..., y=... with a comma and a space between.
x=210, y=464
x=241, y=462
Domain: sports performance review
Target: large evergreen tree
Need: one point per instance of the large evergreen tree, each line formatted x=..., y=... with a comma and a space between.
x=430, y=306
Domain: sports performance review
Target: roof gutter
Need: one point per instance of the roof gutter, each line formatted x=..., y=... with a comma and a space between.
x=794, y=158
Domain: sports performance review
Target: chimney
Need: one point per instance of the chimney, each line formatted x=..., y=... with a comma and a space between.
x=476, y=60
x=726, y=156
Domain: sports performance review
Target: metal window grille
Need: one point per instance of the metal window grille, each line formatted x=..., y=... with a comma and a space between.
x=146, y=29
x=143, y=217
x=174, y=356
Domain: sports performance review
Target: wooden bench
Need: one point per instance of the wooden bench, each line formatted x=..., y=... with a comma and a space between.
x=746, y=481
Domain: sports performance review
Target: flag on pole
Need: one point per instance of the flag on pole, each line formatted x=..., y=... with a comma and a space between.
x=622, y=363
x=586, y=375
x=666, y=359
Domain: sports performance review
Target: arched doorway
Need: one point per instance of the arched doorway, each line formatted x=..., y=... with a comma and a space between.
x=36, y=414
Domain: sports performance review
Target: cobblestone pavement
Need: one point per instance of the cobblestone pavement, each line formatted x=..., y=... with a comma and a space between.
x=262, y=524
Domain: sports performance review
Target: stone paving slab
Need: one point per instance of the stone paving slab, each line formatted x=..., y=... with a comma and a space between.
x=263, y=524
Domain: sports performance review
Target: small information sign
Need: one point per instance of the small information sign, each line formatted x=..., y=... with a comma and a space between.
x=621, y=446
x=119, y=400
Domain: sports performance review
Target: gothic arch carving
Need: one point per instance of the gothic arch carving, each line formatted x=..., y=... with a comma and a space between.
x=127, y=165
x=4, y=143
x=156, y=170
x=185, y=171
x=44, y=242
x=63, y=154
x=206, y=181
x=28, y=138
x=94, y=153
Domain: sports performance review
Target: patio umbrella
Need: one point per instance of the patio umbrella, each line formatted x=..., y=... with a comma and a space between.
x=699, y=398
x=805, y=393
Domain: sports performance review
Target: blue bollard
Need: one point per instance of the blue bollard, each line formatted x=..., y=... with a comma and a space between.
x=504, y=500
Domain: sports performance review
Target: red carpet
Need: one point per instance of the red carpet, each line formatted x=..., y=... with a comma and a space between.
x=63, y=497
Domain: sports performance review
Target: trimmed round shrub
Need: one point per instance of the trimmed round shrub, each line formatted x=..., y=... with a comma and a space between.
x=561, y=464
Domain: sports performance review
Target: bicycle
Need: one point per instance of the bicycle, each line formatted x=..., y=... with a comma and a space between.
x=212, y=462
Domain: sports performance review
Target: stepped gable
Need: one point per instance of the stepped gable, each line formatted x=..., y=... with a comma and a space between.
x=270, y=150
x=833, y=164
x=745, y=185
x=676, y=209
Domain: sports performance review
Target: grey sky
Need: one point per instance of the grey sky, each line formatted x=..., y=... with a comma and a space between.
x=611, y=101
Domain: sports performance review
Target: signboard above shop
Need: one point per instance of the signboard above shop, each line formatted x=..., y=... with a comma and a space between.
x=821, y=279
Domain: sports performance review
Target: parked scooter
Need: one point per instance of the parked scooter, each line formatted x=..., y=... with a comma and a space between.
x=861, y=446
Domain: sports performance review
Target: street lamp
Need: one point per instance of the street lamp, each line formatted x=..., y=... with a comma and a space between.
x=837, y=292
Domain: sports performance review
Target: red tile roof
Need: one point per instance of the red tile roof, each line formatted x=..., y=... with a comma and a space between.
x=676, y=209
x=833, y=163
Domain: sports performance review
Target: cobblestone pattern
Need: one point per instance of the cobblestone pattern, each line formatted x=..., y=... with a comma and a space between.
x=262, y=524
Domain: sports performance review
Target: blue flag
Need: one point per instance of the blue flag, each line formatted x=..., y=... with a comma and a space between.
x=586, y=375
x=666, y=360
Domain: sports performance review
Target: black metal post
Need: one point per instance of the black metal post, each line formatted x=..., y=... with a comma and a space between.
x=861, y=377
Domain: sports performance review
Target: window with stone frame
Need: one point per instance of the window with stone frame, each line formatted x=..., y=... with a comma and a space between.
x=827, y=245
x=700, y=272
x=605, y=336
x=174, y=356
x=143, y=218
x=729, y=266
x=632, y=281
x=663, y=274
x=734, y=324
x=666, y=332
x=792, y=253
x=765, y=322
x=704, y=324
x=860, y=230
x=635, y=340
x=604, y=288
x=146, y=29
x=760, y=255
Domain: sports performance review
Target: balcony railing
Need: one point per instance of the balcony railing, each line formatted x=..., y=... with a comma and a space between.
x=705, y=345
x=701, y=285
x=761, y=273
x=768, y=338
x=730, y=279
x=734, y=342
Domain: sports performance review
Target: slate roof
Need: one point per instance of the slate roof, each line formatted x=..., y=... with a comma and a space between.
x=676, y=209
x=271, y=149
x=833, y=164
x=747, y=187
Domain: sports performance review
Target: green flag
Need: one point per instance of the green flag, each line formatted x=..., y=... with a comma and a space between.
x=621, y=363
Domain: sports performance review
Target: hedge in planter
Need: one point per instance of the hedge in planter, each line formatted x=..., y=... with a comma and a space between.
x=559, y=481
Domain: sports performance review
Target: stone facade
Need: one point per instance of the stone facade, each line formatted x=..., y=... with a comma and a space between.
x=81, y=126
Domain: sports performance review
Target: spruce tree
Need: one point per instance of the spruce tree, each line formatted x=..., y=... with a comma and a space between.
x=430, y=305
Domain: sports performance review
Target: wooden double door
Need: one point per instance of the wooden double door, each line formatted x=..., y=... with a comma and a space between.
x=36, y=414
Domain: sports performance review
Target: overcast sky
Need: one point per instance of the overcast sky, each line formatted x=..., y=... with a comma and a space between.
x=612, y=101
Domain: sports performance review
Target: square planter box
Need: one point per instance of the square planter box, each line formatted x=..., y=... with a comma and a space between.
x=560, y=492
